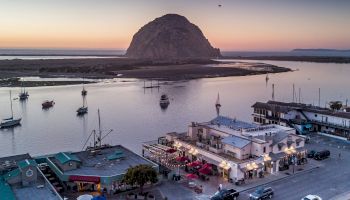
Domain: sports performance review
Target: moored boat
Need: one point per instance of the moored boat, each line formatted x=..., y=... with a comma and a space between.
x=10, y=122
x=164, y=101
x=23, y=95
x=47, y=104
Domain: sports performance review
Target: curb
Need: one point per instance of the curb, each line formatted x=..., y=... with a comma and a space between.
x=280, y=179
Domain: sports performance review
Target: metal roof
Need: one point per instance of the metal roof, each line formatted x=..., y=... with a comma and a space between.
x=25, y=163
x=63, y=157
x=6, y=191
x=236, y=141
x=231, y=123
x=13, y=173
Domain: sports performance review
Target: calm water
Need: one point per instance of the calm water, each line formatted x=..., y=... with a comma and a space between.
x=134, y=113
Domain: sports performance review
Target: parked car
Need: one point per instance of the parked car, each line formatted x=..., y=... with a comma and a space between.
x=322, y=155
x=311, y=197
x=262, y=193
x=225, y=194
x=311, y=154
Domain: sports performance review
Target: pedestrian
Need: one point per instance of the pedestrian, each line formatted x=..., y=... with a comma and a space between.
x=339, y=155
x=220, y=187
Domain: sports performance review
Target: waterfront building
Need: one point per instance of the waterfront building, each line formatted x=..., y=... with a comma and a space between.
x=96, y=169
x=236, y=149
x=21, y=179
x=303, y=117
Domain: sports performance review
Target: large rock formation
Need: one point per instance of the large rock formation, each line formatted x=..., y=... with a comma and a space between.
x=171, y=36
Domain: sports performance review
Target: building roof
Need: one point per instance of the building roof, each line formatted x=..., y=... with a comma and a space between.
x=27, y=162
x=6, y=191
x=98, y=164
x=231, y=123
x=286, y=107
x=63, y=157
x=235, y=141
x=11, y=174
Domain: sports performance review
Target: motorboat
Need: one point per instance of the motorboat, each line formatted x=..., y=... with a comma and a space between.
x=47, y=104
x=164, y=101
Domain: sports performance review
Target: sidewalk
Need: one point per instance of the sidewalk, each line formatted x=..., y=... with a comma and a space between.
x=298, y=170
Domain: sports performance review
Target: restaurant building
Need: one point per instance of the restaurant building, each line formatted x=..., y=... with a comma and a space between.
x=237, y=150
x=99, y=170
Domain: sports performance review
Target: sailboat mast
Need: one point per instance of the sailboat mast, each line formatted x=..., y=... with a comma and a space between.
x=99, y=127
x=11, y=105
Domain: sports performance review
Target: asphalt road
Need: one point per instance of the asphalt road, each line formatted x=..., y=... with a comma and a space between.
x=327, y=181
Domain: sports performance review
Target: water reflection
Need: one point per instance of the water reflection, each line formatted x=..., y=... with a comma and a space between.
x=135, y=114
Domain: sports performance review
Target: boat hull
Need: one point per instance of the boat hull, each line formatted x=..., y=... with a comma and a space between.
x=10, y=123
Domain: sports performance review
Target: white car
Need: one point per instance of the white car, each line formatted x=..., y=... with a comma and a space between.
x=311, y=197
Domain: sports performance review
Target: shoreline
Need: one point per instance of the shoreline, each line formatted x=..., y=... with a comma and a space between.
x=108, y=68
x=315, y=59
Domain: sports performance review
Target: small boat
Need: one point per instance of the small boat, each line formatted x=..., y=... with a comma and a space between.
x=82, y=110
x=10, y=122
x=23, y=95
x=47, y=104
x=164, y=101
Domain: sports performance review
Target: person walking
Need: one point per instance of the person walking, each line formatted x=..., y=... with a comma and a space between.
x=339, y=155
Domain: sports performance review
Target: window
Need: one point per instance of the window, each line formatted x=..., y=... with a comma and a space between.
x=315, y=115
x=264, y=150
x=279, y=148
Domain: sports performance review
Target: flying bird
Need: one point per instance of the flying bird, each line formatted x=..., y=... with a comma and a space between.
x=219, y=5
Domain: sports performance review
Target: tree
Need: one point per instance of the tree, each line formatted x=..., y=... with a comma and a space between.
x=335, y=105
x=140, y=175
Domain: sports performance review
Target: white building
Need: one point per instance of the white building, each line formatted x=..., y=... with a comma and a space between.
x=240, y=150
x=303, y=117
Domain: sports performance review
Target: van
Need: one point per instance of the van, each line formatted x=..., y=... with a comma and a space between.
x=322, y=155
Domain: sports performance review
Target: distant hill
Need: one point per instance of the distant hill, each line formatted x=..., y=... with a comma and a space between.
x=321, y=50
x=169, y=37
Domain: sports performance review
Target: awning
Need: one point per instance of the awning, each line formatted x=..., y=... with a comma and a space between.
x=182, y=159
x=205, y=170
x=91, y=179
x=191, y=176
x=194, y=164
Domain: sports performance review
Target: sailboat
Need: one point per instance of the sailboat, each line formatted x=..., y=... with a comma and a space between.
x=84, y=109
x=267, y=77
x=97, y=138
x=23, y=95
x=218, y=105
x=10, y=122
x=84, y=92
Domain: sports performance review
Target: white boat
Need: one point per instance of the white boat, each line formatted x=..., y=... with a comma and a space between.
x=10, y=122
x=164, y=101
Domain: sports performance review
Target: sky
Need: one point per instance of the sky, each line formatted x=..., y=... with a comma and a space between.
x=238, y=25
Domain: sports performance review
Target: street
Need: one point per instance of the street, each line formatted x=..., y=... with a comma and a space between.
x=327, y=181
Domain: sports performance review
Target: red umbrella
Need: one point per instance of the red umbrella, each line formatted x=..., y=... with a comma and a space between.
x=181, y=159
x=194, y=164
x=205, y=170
x=191, y=176
x=171, y=150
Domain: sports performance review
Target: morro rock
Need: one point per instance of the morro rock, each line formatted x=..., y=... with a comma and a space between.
x=171, y=36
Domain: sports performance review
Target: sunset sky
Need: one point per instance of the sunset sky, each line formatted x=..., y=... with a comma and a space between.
x=261, y=25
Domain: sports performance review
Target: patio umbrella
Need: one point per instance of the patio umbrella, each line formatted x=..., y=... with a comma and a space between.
x=191, y=176
x=194, y=164
x=171, y=151
x=181, y=159
x=207, y=165
x=205, y=170
x=85, y=197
